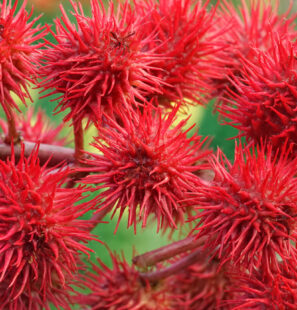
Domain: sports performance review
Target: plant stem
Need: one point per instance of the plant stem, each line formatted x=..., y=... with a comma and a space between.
x=78, y=140
x=12, y=135
x=166, y=252
x=174, y=268
x=98, y=217
x=78, y=151
x=57, y=154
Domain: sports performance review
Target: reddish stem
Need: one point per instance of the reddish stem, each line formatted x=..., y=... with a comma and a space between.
x=12, y=135
x=78, y=140
x=166, y=252
x=98, y=217
x=57, y=154
x=174, y=268
x=78, y=151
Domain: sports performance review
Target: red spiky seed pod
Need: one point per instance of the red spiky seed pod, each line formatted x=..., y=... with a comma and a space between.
x=40, y=235
x=185, y=35
x=37, y=128
x=251, y=25
x=146, y=166
x=248, y=211
x=201, y=286
x=121, y=288
x=253, y=291
x=19, y=52
x=101, y=66
x=263, y=103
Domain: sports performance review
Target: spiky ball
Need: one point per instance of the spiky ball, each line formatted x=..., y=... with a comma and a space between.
x=37, y=128
x=249, y=210
x=100, y=64
x=253, y=291
x=121, y=287
x=263, y=104
x=248, y=28
x=19, y=52
x=200, y=286
x=146, y=166
x=185, y=35
x=40, y=236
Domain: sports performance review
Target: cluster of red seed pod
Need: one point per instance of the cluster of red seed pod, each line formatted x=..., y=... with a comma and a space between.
x=129, y=70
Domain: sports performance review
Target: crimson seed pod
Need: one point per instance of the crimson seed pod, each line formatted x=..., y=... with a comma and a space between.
x=101, y=66
x=37, y=128
x=201, y=286
x=40, y=235
x=250, y=28
x=120, y=287
x=249, y=210
x=146, y=166
x=262, y=105
x=19, y=52
x=186, y=36
x=255, y=291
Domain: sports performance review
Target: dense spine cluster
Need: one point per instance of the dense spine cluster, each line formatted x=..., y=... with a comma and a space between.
x=130, y=69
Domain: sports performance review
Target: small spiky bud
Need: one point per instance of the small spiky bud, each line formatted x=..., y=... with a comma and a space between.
x=37, y=128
